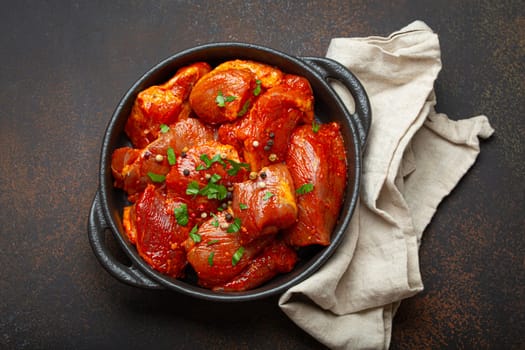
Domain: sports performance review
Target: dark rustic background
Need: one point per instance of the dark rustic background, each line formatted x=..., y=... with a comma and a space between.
x=64, y=67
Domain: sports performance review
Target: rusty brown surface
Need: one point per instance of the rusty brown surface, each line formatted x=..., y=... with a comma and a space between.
x=64, y=67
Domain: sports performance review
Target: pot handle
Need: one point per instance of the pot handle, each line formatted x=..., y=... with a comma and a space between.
x=97, y=227
x=331, y=69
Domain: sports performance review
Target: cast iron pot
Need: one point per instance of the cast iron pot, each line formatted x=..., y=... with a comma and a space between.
x=106, y=210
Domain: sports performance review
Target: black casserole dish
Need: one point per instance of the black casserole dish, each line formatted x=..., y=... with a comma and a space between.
x=106, y=210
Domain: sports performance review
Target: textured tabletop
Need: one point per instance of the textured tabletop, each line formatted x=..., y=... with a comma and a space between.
x=65, y=66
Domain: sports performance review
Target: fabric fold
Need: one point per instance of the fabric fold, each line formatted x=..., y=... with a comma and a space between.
x=414, y=157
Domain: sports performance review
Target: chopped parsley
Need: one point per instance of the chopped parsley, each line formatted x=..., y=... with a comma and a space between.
x=212, y=242
x=211, y=190
x=164, y=128
x=315, y=126
x=257, y=89
x=235, y=226
x=237, y=256
x=214, y=191
x=245, y=108
x=214, y=178
x=210, y=258
x=215, y=222
x=172, y=159
x=193, y=188
x=181, y=214
x=156, y=177
x=268, y=195
x=243, y=206
x=221, y=99
x=194, y=235
x=209, y=162
x=305, y=188
x=236, y=167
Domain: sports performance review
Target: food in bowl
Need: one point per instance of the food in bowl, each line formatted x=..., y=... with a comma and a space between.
x=228, y=174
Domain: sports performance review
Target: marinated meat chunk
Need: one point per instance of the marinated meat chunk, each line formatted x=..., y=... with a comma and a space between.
x=216, y=253
x=133, y=169
x=317, y=164
x=162, y=104
x=275, y=259
x=266, y=204
x=158, y=235
x=223, y=96
x=264, y=133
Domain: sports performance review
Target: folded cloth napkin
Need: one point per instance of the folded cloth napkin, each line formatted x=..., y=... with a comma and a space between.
x=414, y=157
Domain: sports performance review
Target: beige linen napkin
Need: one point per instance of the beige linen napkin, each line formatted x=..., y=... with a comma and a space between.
x=414, y=157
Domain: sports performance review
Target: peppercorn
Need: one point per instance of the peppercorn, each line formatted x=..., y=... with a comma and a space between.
x=186, y=172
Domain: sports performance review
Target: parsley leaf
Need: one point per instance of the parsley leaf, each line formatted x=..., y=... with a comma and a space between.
x=237, y=256
x=213, y=191
x=210, y=258
x=209, y=162
x=181, y=214
x=156, y=177
x=235, y=226
x=257, y=89
x=172, y=159
x=221, y=99
x=243, y=206
x=268, y=195
x=245, y=108
x=194, y=235
x=305, y=188
x=215, y=222
x=214, y=178
x=236, y=167
x=193, y=188
x=164, y=128
x=315, y=126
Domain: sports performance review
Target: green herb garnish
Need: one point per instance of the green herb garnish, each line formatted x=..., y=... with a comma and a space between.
x=245, y=108
x=214, y=191
x=243, y=206
x=235, y=226
x=236, y=167
x=209, y=162
x=237, y=256
x=156, y=177
x=194, y=235
x=257, y=89
x=214, y=178
x=305, y=188
x=315, y=126
x=193, y=188
x=212, y=242
x=268, y=195
x=164, y=128
x=181, y=214
x=210, y=258
x=172, y=159
x=221, y=99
